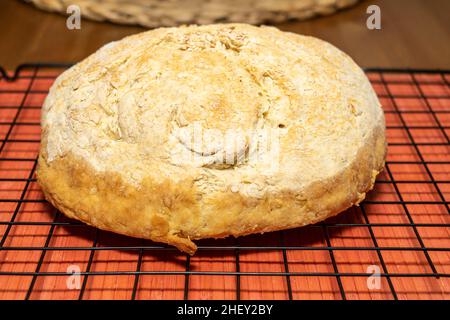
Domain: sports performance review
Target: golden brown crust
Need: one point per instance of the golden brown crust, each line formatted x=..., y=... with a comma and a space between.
x=119, y=132
x=171, y=213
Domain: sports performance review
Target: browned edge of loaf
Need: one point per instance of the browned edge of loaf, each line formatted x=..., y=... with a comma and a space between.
x=171, y=213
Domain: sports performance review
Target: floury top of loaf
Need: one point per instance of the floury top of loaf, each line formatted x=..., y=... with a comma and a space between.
x=137, y=107
x=200, y=132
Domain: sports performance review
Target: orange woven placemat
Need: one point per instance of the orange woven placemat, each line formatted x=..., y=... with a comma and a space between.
x=402, y=229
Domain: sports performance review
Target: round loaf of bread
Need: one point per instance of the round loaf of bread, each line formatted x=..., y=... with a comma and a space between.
x=178, y=134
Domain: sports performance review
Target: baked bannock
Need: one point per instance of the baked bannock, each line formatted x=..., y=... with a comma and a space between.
x=178, y=134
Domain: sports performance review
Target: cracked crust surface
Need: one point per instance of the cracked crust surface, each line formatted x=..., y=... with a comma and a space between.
x=117, y=127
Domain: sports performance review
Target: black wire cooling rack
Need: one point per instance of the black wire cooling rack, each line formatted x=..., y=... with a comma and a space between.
x=402, y=230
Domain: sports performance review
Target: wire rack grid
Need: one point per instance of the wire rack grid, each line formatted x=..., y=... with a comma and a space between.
x=401, y=231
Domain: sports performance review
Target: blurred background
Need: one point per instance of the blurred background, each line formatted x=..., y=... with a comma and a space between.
x=413, y=34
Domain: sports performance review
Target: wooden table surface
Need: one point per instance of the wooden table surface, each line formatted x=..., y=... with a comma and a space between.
x=414, y=34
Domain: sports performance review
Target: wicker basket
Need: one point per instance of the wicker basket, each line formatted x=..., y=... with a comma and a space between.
x=157, y=13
